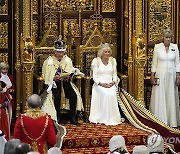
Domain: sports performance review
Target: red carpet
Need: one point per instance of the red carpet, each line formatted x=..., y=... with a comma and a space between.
x=94, y=138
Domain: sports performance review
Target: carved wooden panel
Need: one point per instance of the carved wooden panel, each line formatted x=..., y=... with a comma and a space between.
x=6, y=33
x=4, y=8
x=70, y=5
x=108, y=5
x=3, y=34
x=160, y=17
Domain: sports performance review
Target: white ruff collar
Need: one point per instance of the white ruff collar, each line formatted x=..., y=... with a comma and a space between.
x=5, y=78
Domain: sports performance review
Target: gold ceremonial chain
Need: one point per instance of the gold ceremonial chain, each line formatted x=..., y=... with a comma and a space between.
x=34, y=141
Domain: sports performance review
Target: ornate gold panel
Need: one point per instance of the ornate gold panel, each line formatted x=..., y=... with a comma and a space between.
x=149, y=59
x=87, y=29
x=126, y=36
x=4, y=35
x=71, y=27
x=108, y=5
x=108, y=28
x=4, y=9
x=35, y=6
x=26, y=18
x=159, y=18
x=70, y=5
x=4, y=57
x=50, y=19
x=35, y=28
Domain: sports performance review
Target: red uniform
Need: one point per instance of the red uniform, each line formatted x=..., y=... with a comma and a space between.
x=11, y=91
x=37, y=129
x=5, y=112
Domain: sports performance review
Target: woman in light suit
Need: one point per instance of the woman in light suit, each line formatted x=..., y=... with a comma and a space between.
x=165, y=78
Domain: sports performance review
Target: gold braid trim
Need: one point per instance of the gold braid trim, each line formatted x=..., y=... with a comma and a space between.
x=34, y=113
x=34, y=141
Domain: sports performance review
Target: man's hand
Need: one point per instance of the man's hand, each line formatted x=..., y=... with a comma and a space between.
x=67, y=77
x=57, y=77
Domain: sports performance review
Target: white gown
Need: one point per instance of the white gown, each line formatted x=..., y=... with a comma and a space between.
x=164, y=98
x=104, y=105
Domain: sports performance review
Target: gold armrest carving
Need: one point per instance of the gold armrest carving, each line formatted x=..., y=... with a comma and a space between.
x=124, y=80
x=39, y=78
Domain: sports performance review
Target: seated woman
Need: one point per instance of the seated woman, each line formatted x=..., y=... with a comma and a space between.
x=104, y=104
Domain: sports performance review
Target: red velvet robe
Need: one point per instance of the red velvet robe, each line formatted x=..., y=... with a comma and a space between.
x=5, y=116
x=11, y=91
x=39, y=129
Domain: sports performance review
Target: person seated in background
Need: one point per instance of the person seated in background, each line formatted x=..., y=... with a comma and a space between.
x=35, y=127
x=140, y=149
x=57, y=72
x=10, y=146
x=104, y=103
x=54, y=150
x=117, y=145
x=155, y=144
x=2, y=142
x=23, y=148
x=5, y=110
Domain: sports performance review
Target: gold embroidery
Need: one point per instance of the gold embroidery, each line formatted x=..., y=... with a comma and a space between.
x=34, y=113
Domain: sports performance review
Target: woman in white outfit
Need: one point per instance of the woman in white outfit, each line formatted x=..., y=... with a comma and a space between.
x=165, y=78
x=104, y=105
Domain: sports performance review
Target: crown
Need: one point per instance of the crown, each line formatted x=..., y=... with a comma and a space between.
x=105, y=46
x=60, y=45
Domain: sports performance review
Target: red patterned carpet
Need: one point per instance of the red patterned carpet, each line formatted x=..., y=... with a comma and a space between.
x=91, y=138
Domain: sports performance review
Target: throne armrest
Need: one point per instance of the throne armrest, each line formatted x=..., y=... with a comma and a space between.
x=39, y=82
x=123, y=80
x=39, y=78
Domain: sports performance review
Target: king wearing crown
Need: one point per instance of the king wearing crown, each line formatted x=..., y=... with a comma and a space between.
x=57, y=72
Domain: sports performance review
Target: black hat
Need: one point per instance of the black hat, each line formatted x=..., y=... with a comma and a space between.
x=60, y=45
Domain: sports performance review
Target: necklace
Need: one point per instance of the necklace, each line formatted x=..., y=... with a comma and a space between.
x=105, y=61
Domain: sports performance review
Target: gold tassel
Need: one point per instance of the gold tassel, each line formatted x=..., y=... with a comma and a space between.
x=34, y=146
x=63, y=98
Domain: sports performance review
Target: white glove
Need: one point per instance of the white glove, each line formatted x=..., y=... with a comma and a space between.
x=52, y=85
x=78, y=72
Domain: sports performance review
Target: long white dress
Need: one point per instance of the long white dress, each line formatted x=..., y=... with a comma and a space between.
x=164, y=98
x=104, y=105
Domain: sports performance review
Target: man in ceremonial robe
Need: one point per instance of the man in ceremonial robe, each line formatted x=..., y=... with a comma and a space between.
x=35, y=127
x=57, y=73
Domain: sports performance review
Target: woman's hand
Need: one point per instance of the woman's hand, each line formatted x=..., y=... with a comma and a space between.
x=153, y=81
x=111, y=84
x=107, y=85
x=178, y=79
